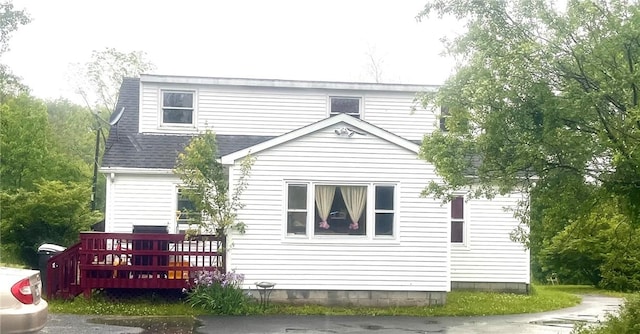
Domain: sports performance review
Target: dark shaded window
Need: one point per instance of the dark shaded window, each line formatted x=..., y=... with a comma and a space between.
x=345, y=105
x=177, y=107
x=384, y=210
x=186, y=212
x=457, y=219
x=444, y=114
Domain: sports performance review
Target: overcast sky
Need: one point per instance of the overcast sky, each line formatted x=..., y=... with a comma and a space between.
x=306, y=40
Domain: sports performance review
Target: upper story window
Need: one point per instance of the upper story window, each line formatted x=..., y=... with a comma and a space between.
x=340, y=209
x=177, y=107
x=345, y=105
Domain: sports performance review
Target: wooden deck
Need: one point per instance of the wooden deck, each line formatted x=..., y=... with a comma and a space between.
x=132, y=261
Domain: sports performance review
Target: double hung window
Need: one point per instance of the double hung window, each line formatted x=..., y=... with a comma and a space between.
x=177, y=107
x=457, y=220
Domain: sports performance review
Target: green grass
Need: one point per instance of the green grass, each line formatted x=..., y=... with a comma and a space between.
x=140, y=306
x=584, y=290
x=459, y=303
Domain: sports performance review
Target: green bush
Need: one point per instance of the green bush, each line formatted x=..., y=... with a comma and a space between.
x=627, y=322
x=219, y=293
x=55, y=212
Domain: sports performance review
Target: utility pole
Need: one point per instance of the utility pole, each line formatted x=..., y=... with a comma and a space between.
x=94, y=183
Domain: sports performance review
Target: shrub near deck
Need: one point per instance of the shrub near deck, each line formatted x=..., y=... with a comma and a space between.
x=219, y=293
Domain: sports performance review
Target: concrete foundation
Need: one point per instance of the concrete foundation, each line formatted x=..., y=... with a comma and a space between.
x=356, y=298
x=522, y=288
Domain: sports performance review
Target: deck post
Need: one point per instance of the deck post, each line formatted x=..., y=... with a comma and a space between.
x=223, y=244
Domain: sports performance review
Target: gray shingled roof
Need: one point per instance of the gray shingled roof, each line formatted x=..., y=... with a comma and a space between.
x=127, y=148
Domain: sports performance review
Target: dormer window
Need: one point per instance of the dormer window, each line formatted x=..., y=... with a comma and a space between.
x=177, y=107
x=345, y=105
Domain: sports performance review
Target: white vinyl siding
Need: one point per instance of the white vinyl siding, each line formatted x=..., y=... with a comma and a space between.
x=275, y=111
x=489, y=254
x=134, y=199
x=415, y=259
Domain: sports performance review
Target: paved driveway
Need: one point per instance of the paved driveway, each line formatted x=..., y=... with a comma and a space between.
x=592, y=310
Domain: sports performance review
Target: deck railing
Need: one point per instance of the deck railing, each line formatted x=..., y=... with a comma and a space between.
x=141, y=260
x=63, y=274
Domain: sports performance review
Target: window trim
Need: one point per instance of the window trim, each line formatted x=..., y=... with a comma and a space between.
x=360, y=99
x=464, y=220
x=161, y=108
x=370, y=213
x=287, y=210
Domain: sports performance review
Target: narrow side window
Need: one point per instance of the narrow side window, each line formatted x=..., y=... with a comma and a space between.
x=384, y=210
x=457, y=220
x=297, y=209
x=444, y=114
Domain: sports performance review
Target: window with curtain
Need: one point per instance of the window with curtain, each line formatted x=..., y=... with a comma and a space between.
x=340, y=209
x=457, y=220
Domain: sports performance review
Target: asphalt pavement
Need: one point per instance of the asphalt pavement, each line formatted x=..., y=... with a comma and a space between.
x=592, y=310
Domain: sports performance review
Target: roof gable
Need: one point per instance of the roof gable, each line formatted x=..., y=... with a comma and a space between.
x=323, y=124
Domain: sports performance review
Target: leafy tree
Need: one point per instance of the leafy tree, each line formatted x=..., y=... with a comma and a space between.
x=537, y=91
x=98, y=80
x=206, y=183
x=23, y=142
x=10, y=20
x=30, y=150
x=54, y=212
x=545, y=100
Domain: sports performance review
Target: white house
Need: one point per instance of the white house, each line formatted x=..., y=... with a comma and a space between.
x=333, y=207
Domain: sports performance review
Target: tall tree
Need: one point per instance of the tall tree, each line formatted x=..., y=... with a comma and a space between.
x=99, y=79
x=544, y=100
x=206, y=183
x=10, y=20
x=539, y=90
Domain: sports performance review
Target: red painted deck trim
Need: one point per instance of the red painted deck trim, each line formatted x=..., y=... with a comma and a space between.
x=146, y=261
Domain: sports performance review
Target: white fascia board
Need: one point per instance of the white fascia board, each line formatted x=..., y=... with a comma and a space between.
x=126, y=170
x=278, y=83
x=230, y=159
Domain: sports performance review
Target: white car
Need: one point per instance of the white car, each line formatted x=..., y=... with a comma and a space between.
x=22, y=310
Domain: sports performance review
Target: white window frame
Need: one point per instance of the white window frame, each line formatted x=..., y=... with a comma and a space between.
x=464, y=221
x=370, y=212
x=162, y=107
x=360, y=99
x=287, y=210
x=394, y=211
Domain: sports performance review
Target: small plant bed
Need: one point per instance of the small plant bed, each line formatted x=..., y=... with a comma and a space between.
x=459, y=303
